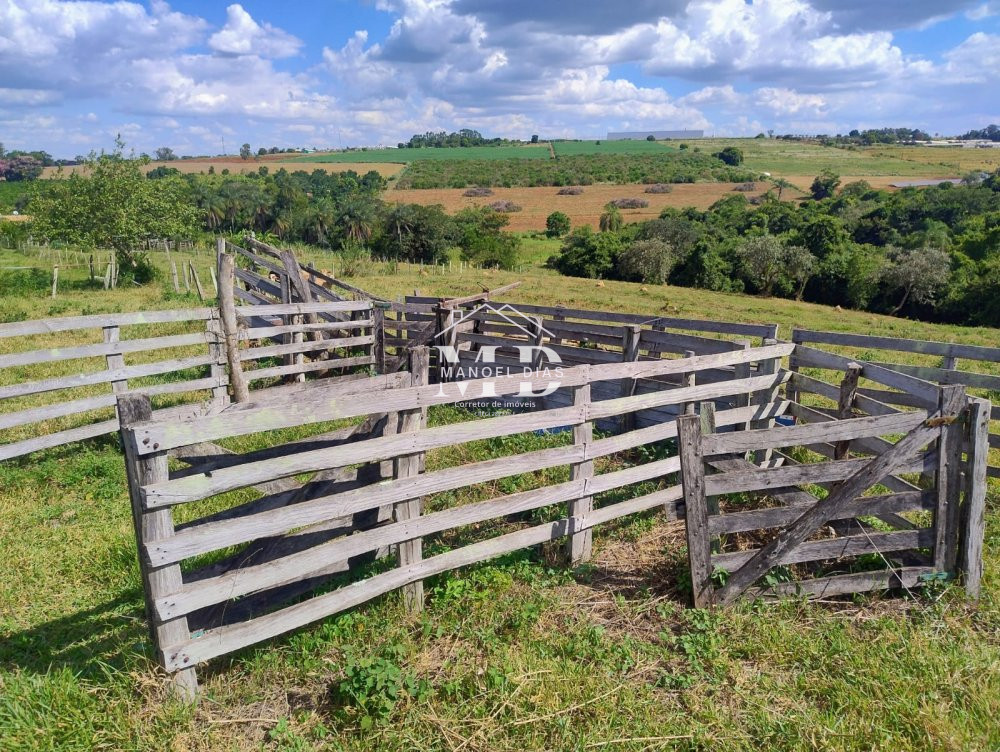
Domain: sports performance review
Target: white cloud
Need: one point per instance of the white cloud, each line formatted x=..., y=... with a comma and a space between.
x=243, y=36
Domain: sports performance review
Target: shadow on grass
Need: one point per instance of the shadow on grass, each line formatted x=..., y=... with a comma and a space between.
x=82, y=641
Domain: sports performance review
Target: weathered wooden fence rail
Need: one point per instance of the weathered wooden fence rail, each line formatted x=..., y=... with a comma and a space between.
x=946, y=372
x=187, y=366
x=402, y=441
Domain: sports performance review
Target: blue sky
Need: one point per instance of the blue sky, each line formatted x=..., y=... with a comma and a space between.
x=194, y=74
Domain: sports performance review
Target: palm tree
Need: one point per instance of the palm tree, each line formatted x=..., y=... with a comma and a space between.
x=356, y=220
x=781, y=184
x=611, y=219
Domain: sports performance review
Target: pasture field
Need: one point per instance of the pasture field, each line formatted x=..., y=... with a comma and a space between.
x=532, y=151
x=783, y=158
x=585, y=209
x=512, y=654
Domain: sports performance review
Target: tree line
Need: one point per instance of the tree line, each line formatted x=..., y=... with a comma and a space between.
x=119, y=203
x=930, y=253
x=443, y=139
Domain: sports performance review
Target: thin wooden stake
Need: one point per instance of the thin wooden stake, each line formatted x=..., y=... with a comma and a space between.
x=230, y=329
x=580, y=544
x=55, y=280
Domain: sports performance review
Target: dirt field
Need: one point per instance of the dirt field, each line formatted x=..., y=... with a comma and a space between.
x=273, y=162
x=538, y=203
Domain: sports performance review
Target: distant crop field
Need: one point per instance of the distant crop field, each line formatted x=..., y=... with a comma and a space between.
x=577, y=148
x=237, y=166
x=585, y=209
x=402, y=156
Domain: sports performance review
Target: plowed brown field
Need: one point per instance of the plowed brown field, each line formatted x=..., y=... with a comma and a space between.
x=538, y=203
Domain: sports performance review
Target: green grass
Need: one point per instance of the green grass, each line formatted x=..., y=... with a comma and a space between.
x=512, y=654
x=576, y=148
x=538, y=151
x=799, y=158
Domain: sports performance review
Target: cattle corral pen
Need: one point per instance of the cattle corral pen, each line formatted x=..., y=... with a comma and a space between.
x=876, y=466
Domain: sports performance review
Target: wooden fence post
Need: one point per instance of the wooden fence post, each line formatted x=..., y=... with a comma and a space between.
x=153, y=525
x=230, y=329
x=173, y=274
x=197, y=282
x=217, y=349
x=92, y=267
x=378, y=333
x=695, y=509
x=580, y=544
x=845, y=406
x=688, y=379
x=630, y=353
x=187, y=278
x=948, y=477
x=411, y=551
x=215, y=282
x=115, y=361
x=972, y=525
x=107, y=278
x=742, y=371
x=706, y=411
x=55, y=280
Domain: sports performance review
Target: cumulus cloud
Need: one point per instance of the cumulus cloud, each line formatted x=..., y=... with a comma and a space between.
x=507, y=67
x=242, y=35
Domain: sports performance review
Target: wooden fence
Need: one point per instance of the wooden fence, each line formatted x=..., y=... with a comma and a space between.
x=947, y=372
x=187, y=365
x=178, y=601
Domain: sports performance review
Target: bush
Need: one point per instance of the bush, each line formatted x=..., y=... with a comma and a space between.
x=557, y=224
x=573, y=190
x=658, y=188
x=478, y=192
x=649, y=261
x=747, y=187
x=505, y=206
x=730, y=155
x=629, y=203
x=25, y=282
x=355, y=260
x=585, y=253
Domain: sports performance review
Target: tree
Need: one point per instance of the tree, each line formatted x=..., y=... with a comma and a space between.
x=534, y=139
x=825, y=185
x=649, y=261
x=245, y=151
x=762, y=258
x=919, y=273
x=412, y=232
x=800, y=266
x=586, y=253
x=611, y=220
x=165, y=154
x=262, y=151
x=650, y=137
x=557, y=224
x=19, y=167
x=113, y=205
x=781, y=184
x=731, y=156
x=482, y=239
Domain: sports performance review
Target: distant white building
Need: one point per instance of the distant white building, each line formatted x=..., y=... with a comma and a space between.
x=658, y=135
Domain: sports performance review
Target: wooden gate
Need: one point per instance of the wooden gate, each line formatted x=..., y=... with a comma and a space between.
x=862, y=538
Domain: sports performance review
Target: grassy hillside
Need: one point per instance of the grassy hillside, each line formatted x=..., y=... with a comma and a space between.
x=536, y=151
x=512, y=654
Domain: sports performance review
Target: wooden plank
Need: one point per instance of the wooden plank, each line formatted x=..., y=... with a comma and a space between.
x=845, y=406
x=844, y=495
x=103, y=349
x=696, y=515
x=973, y=520
x=832, y=548
x=762, y=519
x=272, y=351
x=277, y=330
x=230, y=328
x=287, y=309
x=150, y=525
x=917, y=388
x=100, y=320
x=580, y=544
x=842, y=584
x=787, y=436
x=223, y=425
x=320, y=365
x=945, y=376
x=948, y=479
x=104, y=377
x=27, y=446
x=872, y=342
x=408, y=466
